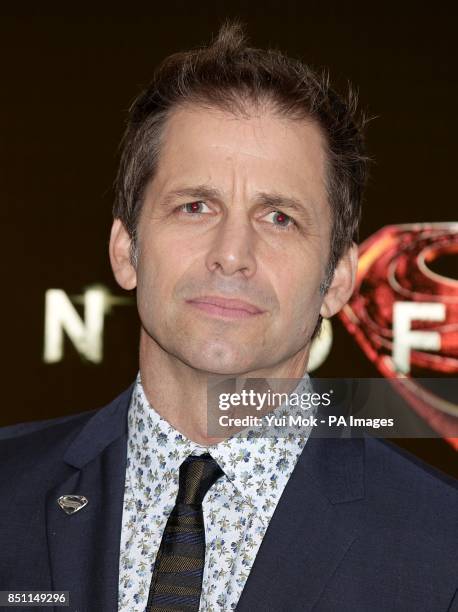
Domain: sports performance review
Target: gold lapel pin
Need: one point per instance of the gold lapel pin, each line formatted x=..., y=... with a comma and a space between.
x=72, y=503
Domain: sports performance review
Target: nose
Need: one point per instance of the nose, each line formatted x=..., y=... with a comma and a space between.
x=232, y=247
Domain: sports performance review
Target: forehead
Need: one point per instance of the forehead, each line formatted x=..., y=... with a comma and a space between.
x=259, y=151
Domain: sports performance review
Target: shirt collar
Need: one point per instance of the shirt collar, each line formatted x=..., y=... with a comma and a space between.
x=257, y=466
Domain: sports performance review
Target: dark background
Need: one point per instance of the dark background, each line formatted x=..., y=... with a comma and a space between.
x=67, y=81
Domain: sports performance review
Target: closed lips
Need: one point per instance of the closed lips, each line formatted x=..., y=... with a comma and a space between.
x=230, y=304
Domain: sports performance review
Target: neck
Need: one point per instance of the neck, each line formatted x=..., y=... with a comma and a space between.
x=178, y=392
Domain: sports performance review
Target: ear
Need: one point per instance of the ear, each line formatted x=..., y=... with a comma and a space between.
x=343, y=283
x=119, y=251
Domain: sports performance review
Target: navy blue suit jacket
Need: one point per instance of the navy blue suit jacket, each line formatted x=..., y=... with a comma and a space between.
x=360, y=527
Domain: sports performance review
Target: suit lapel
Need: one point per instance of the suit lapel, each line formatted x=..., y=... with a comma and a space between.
x=84, y=547
x=313, y=526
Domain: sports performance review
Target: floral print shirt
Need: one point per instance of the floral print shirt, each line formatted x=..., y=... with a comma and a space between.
x=237, y=509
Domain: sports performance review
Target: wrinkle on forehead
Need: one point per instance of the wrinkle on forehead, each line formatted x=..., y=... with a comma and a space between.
x=231, y=152
x=212, y=146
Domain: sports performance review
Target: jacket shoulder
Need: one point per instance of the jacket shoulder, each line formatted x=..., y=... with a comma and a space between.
x=401, y=467
x=30, y=427
x=35, y=445
x=401, y=485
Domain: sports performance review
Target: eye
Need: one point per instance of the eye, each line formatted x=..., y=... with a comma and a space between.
x=281, y=220
x=194, y=208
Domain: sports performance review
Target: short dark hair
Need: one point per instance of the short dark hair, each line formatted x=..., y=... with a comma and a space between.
x=231, y=76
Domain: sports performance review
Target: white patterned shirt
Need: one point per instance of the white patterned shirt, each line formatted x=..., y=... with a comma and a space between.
x=237, y=509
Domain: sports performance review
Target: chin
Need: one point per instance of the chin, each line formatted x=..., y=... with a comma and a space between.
x=219, y=359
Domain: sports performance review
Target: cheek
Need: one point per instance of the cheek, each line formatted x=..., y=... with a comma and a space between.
x=298, y=291
x=151, y=278
x=160, y=269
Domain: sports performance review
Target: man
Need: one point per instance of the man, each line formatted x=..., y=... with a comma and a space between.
x=238, y=198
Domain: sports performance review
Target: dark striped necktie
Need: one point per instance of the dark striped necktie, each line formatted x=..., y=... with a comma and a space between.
x=176, y=583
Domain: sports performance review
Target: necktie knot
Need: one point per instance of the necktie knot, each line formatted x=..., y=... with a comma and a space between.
x=197, y=474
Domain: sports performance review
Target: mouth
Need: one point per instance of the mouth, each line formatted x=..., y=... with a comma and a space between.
x=225, y=307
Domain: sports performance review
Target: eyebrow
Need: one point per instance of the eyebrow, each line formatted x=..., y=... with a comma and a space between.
x=272, y=199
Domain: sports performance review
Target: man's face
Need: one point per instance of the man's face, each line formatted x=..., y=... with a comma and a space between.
x=237, y=210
